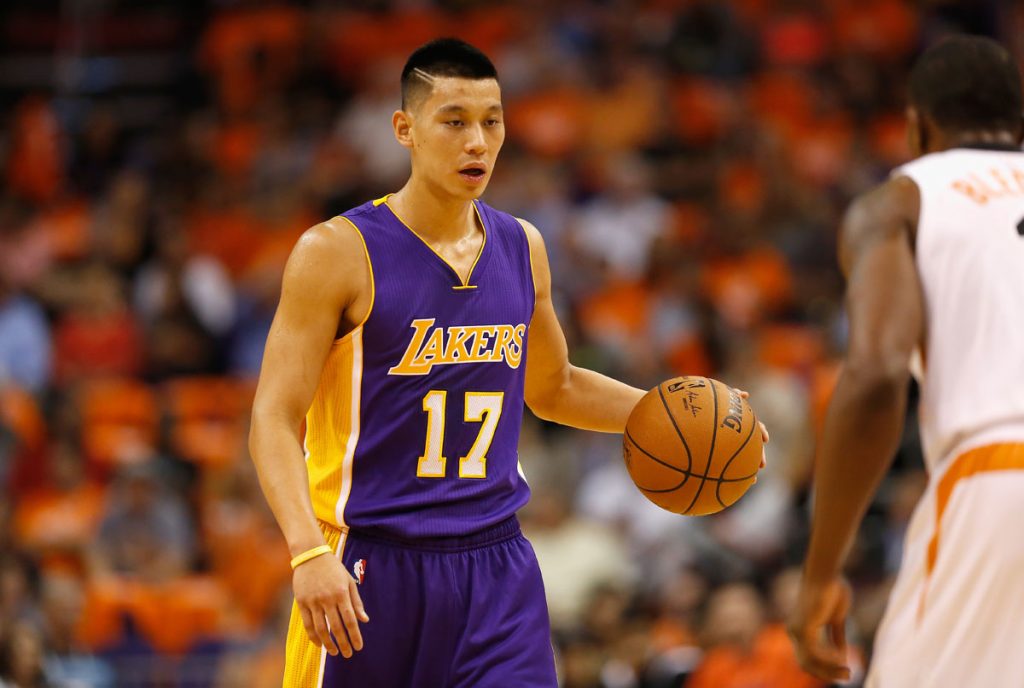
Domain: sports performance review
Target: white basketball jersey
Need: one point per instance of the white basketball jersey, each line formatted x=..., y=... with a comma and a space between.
x=970, y=257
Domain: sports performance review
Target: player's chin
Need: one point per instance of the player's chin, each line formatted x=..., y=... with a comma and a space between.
x=471, y=189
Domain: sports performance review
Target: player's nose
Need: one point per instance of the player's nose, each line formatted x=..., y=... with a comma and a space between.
x=476, y=142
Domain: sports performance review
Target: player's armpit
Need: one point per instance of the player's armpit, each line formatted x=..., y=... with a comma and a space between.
x=888, y=210
x=884, y=300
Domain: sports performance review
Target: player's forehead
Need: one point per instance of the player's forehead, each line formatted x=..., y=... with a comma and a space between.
x=455, y=94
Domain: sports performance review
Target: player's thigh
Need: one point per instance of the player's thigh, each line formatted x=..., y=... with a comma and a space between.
x=403, y=643
x=507, y=638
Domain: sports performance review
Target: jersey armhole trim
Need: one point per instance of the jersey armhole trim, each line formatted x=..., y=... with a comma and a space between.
x=529, y=253
x=916, y=230
x=373, y=285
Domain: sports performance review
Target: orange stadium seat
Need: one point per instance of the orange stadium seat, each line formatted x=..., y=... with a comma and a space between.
x=177, y=615
x=881, y=29
x=101, y=624
x=35, y=168
x=549, y=123
x=120, y=421
x=207, y=418
x=173, y=616
x=67, y=227
x=253, y=576
x=20, y=412
x=783, y=100
x=797, y=348
x=701, y=109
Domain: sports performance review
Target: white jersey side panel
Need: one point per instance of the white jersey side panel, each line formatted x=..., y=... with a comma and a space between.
x=970, y=257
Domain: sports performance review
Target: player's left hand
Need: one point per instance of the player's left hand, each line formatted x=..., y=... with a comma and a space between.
x=817, y=628
x=764, y=431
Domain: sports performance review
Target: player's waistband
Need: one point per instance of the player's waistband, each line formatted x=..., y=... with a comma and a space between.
x=501, y=532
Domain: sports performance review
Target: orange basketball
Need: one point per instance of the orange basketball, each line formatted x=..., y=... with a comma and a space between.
x=692, y=445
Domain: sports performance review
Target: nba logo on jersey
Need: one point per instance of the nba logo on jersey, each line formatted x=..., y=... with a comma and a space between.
x=359, y=571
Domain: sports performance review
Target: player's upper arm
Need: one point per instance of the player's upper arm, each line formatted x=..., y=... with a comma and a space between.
x=326, y=284
x=883, y=298
x=547, y=359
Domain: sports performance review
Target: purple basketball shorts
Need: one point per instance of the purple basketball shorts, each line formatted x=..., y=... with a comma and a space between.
x=465, y=612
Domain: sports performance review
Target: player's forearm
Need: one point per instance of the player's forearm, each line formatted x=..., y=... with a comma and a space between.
x=861, y=434
x=588, y=400
x=277, y=452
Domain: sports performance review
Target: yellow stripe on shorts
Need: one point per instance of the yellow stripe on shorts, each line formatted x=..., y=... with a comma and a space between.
x=304, y=661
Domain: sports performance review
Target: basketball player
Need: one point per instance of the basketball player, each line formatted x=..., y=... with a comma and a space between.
x=402, y=337
x=935, y=265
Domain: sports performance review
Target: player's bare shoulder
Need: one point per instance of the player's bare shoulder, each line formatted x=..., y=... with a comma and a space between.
x=893, y=206
x=329, y=268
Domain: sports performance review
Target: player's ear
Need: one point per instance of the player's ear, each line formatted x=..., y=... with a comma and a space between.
x=403, y=127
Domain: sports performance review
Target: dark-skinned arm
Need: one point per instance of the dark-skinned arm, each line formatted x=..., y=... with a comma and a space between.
x=866, y=415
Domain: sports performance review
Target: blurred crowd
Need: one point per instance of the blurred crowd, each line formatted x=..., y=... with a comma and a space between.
x=687, y=162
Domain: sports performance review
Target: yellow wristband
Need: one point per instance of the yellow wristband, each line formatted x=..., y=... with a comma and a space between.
x=310, y=554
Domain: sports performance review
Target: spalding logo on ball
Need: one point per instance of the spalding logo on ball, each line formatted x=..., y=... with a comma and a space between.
x=692, y=445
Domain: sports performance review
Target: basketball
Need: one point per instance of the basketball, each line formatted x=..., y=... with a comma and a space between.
x=692, y=446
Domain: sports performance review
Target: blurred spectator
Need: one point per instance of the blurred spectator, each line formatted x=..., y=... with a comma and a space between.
x=21, y=658
x=740, y=650
x=366, y=126
x=617, y=228
x=146, y=531
x=187, y=305
x=98, y=336
x=575, y=556
x=66, y=662
x=25, y=345
x=58, y=520
x=18, y=587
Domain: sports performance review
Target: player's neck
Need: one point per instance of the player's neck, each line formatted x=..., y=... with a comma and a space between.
x=964, y=139
x=432, y=216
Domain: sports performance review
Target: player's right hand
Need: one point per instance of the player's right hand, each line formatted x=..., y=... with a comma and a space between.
x=817, y=628
x=328, y=599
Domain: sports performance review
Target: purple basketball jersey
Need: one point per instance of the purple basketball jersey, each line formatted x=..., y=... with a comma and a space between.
x=442, y=376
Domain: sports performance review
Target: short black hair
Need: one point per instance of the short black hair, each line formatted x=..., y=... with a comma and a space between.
x=968, y=83
x=443, y=57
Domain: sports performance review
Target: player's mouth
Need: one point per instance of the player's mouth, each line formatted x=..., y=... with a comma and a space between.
x=474, y=174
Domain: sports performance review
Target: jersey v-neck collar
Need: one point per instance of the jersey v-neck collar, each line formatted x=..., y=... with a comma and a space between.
x=478, y=262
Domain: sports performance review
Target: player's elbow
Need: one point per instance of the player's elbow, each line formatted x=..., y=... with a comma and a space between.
x=878, y=374
x=266, y=420
x=544, y=398
x=541, y=405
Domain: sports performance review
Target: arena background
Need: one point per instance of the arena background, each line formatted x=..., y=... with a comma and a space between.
x=687, y=162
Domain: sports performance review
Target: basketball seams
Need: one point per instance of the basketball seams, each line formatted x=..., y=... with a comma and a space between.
x=677, y=469
x=718, y=488
x=686, y=474
x=675, y=426
x=711, y=451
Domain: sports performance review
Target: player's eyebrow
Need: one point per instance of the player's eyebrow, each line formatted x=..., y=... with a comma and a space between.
x=455, y=107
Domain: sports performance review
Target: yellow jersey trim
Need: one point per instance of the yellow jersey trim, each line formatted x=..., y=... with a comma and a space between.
x=340, y=382
x=373, y=281
x=529, y=250
x=304, y=661
x=483, y=225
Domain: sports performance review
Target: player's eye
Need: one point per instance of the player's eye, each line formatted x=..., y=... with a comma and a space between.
x=493, y=122
x=454, y=123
